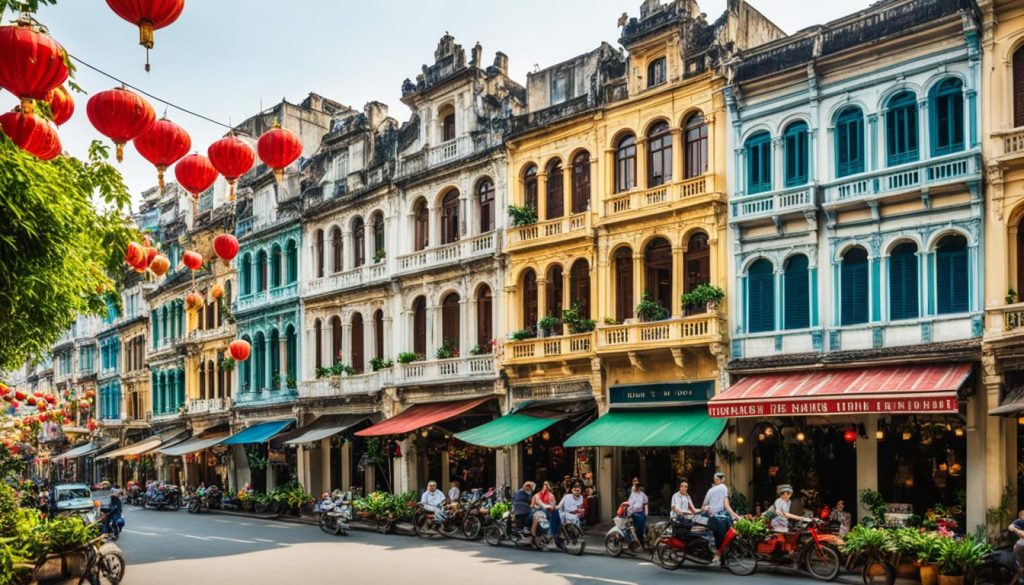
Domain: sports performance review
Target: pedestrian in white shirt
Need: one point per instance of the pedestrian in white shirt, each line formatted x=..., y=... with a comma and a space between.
x=454, y=493
x=638, y=510
x=716, y=500
x=432, y=499
x=782, y=505
x=571, y=506
x=682, y=503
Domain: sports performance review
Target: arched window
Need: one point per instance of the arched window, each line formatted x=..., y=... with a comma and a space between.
x=335, y=339
x=555, y=191
x=947, y=117
x=318, y=342
x=796, y=154
x=337, y=260
x=659, y=155
x=696, y=146
x=796, y=294
x=419, y=326
x=261, y=271
x=903, y=296
x=485, y=204
x=211, y=380
x=378, y=334
x=377, y=221
x=260, y=361
x=1018, y=87
x=450, y=325
x=952, y=276
x=358, y=242
x=849, y=142
x=530, y=307
x=625, y=164
x=581, y=182
x=530, y=187
x=853, y=287
x=901, y=129
x=318, y=252
x=656, y=72
x=450, y=217
x=275, y=360
x=623, y=262
x=246, y=377
x=292, y=259
x=202, y=381
x=579, y=287
x=246, y=275
x=697, y=263
x=421, y=225
x=554, y=291
x=358, y=355
x=484, y=319
x=761, y=297
x=447, y=115
x=275, y=266
x=291, y=348
x=759, y=163
x=658, y=272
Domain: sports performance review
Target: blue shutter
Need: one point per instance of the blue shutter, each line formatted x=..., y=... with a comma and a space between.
x=947, y=117
x=849, y=143
x=796, y=296
x=951, y=276
x=854, y=287
x=796, y=154
x=761, y=297
x=759, y=163
x=901, y=129
x=903, y=281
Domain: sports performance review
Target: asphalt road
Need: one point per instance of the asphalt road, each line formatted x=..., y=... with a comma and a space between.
x=178, y=548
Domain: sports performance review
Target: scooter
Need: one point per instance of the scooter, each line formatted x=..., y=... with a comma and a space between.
x=205, y=499
x=336, y=512
x=622, y=537
x=806, y=549
x=685, y=540
x=508, y=529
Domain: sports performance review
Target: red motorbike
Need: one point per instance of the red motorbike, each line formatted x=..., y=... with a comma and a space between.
x=808, y=548
x=683, y=540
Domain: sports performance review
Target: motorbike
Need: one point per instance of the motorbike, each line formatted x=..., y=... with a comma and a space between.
x=807, y=548
x=134, y=494
x=686, y=540
x=427, y=523
x=205, y=499
x=507, y=529
x=98, y=562
x=336, y=512
x=622, y=537
x=999, y=567
x=476, y=512
x=162, y=495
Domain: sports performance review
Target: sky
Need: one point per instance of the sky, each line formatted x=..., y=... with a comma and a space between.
x=228, y=59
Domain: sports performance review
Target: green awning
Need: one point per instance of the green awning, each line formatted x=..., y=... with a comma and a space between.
x=507, y=430
x=677, y=427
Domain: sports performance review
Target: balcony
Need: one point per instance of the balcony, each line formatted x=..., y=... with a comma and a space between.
x=264, y=397
x=367, y=383
x=1004, y=323
x=460, y=369
x=163, y=416
x=550, y=349
x=281, y=293
x=774, y=204
x=1009, y=144
x=935, y=172
x=658, y=198
x=694, y=330
x=468, y=249
x=544, y=233
x=208, y=406
x=204, y=335
x=365, y=274
x=433, y=156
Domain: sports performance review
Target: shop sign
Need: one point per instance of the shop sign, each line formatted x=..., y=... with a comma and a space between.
x=662, y=394
x=825, y=406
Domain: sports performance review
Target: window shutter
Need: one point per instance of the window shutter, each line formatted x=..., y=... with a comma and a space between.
x=951, y=277
x=903, y=283
x=761, y=302
x=854, y=288
x=796, y=295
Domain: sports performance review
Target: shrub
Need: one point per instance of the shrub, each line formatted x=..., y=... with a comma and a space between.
x=703, y=294
x=548, y=324
x=523, y=334
x=650, y=309
x=522, y=215
x=407, y=357
x=573, y=319
x=379, y=363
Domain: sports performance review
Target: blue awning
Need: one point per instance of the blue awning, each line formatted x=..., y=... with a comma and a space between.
x=259, y=433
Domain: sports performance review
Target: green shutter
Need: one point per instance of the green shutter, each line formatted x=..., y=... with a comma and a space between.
x=854, y=287
x=759, y=163
x=903, y=281
x=849, y=143
x=761, y=297
x=951, y=277
x=796, y=154
x=796, y=296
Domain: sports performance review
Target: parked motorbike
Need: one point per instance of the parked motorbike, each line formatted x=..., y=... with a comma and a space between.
x=99, y=561
x=205, y=499
x=336, y=512
x=999, y=567
x=476, y=512
x=426, y=523
x=622, y=537
x=134, y=494
x=685, y=540
x=162, y=496
x=807, y=548
x=508, y=530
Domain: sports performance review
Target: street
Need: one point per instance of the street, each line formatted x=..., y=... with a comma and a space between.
x=176, y=547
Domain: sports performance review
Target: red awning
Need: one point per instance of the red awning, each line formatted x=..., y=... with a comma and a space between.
x=418, y=416
x=925, y=388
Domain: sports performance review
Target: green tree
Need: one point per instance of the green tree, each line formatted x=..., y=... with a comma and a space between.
x=64, y=227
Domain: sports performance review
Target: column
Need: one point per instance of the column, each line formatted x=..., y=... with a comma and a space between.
x=867, y=460
x=638, y=279
x=924, y=146
x=433, y=330
x=778, y=166
x=370, y=325
x=830, y=143
x=346, y=468
x=871, y=144
x=368, y=240
x=388, y=349
x=602, y=193
x=346, y=342
x=740, y=174
x=812, y=155
x=709, y=121
x=987, y=448
x=678, y=170
x=567, y=188
x=677, y=281
x=267, y=370
x=325, y=345
x=566, y=293
x=465, y=339
x=325, y=466
x=542, y=299
x=641, y=162
x=542, y=195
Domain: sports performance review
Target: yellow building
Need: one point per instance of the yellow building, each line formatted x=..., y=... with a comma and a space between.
x=624, y=161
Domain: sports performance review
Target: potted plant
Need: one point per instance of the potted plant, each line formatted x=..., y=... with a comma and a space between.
x=929, y=545
x=522, y=215
x=379, y=363
x=905, y=543
x=872, y=544
x=753, y=530
x=291, y=383
x=574, y=321
x=447, y=351
x=958, y=557
x=407, y=357
x=705, y=295
x=1011, y=297
x=522, y=334
x=379, y=255
x=650, y=309
x=547, y=325
x=227, y=364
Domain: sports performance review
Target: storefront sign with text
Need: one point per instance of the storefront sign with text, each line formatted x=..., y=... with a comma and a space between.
x=895, y=405
x=662, y=394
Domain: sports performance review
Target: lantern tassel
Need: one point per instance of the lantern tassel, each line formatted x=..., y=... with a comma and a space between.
x=160, y=176
x=278, y=175
x=28, y=106
x=231, y=196
x=120, y=151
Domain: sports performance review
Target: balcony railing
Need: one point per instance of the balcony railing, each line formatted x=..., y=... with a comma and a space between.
x=768, y=204
x=347, y=279
x=696, y=329
x=155, y=416
x=265, y=396
x=561, y=347
x=1011, y=141
x=483, y=245
x=447, y=151
x=280, y=293
x=662, y=194
x=203, y=335
x=905, y=178
x=208, y=405
x=573, y=224
x=446, y=371
x=367, y=383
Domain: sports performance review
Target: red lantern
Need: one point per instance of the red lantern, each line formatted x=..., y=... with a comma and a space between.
x=120, y=115
x=148, y=15
x=54, y=149
x=192, y=260
x=216, y=292
x=232, y=157
x=226, y=247
x=195, y=173
x=163, y=144
x=850, y=436
x=51, y=399
x=30, y=133
x=61, y=104
x=135, y=254
x=31, y=400
x=239, y=350
x=32, y=64
x=20, y=395
x=41, y=406
x=278, y=148
x=193, y=302
x=160, y=265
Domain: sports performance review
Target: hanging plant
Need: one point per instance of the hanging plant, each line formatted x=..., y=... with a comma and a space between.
x=227, y=364
x=522, y=215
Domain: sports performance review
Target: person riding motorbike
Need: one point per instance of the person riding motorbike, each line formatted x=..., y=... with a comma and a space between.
x=682, y=503
x=1017, y=529
x=638, y=509
x=626, y=528
x=111, y=521
x=570, y=509
x=521, y=504
x=543, y=504
x=716, y=500
x=433, y=501
x=779, y=521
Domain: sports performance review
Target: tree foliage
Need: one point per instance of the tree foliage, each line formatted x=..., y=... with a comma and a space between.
x=63, y=231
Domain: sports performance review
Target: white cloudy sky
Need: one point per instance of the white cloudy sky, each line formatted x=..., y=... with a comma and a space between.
x=224, y=58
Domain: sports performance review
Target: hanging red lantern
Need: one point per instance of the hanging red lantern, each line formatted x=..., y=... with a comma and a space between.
x=32, y=65
x=148, y=15
x=135, y=254
x=51, y=399
x=192, y=260
x=850, y=436
x=226, y=247
x=120, y=115
x=194, y=301
x=20, y=395
x=41, y=406
x=91, y=426
x=62, y=106
x=54, y=149
x=195, y=173
x=163, y=144
x=31, y=401
x=278, y=148
x=160, y=265
x=217, y=292
x=30, y=133
x=239, y=350
x=232, y=157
